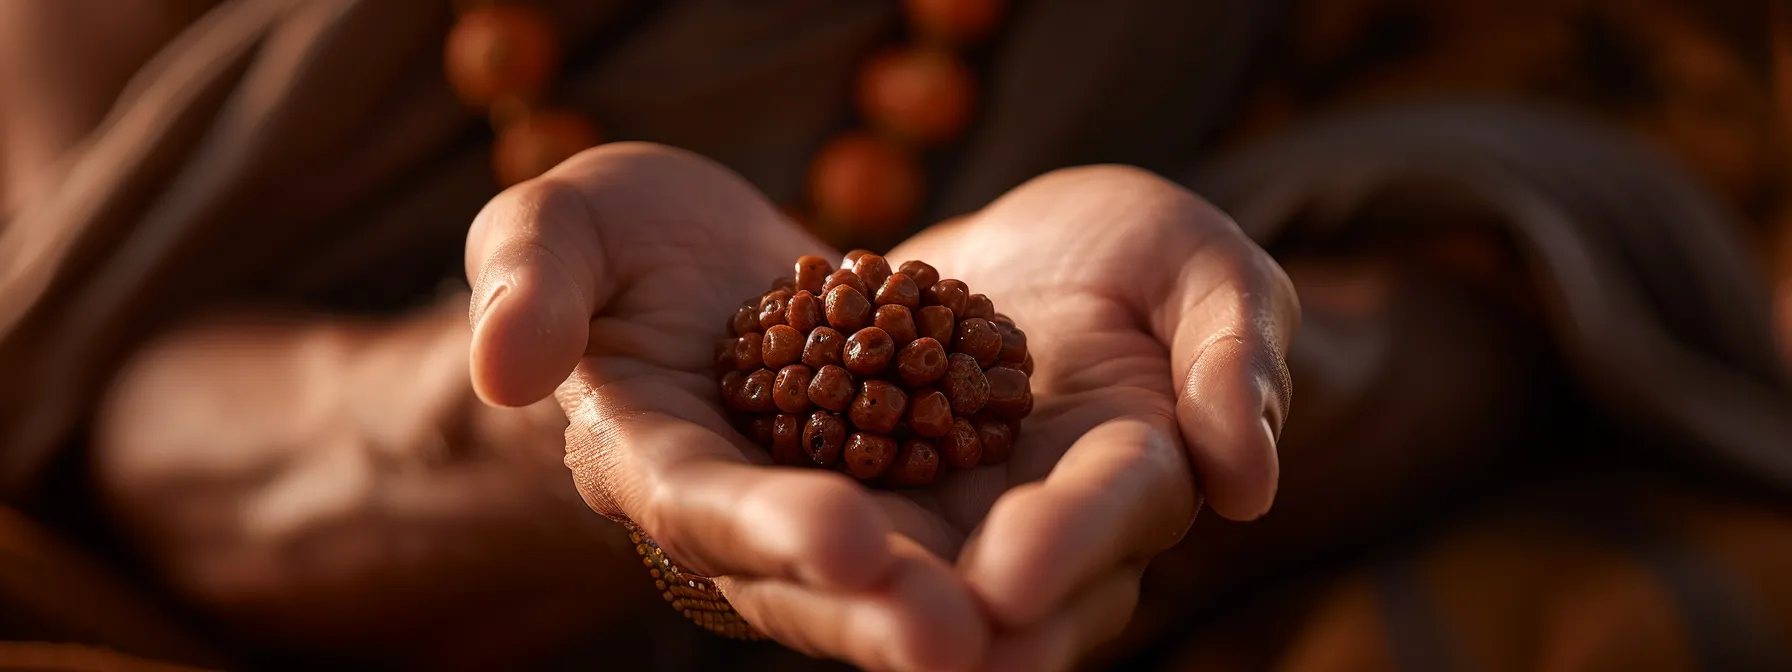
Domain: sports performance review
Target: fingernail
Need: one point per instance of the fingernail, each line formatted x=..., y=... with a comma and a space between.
x=482, y=308
x=1269, y=432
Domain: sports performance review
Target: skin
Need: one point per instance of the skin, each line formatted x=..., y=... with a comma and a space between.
x=315, y=483
x=1160, y=348
x=166, y=466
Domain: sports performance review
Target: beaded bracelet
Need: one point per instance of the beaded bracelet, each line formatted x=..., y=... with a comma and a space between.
x=692, y=595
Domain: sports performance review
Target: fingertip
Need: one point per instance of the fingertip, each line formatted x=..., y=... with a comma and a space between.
x=836, y=535
x=945, y=630
x=529, y=331
x=1230, y=413
x=1012, y=589
x=1240, y=485
x=923, y=618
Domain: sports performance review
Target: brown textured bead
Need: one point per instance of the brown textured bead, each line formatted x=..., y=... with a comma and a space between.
x=921, y=272
x=811, y=273
x=917, y=375
x=823, y=435
x=760, y=429
x=772, y=308
x=537, y=141
x=868, y=352
x=997, y=438
x=1010, y=393
x=852, y=258
x=804, y=312
x=501, y=50
x=956, y=21
x=748, y=351
x=745, y=321
x=977, y=305
x=732, y=382
x=825, y=346
x=756, y=393
x=791, y=391
x=921, y=362
x=787, y=440
x=960, y=446
x=899, y=290
x=878, y=407
x=832, y=388
x=978, y=338
x=872, y=269
x=935, y=322
x=845, y=277
x=1014, y=343
x=866, y=183
x=896, y=321
x=929, y=413
x=920, y=93
x=847, y=309
x=949, y=293
x=868, y=455
x=965, y=384
x=783, y=345
x=916, y=463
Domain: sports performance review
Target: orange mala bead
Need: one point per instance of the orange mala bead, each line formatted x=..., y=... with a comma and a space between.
x=919, y=94
x=501, y=51
x=865, y=182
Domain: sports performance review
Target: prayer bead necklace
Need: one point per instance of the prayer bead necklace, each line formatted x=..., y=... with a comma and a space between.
x=504, y=57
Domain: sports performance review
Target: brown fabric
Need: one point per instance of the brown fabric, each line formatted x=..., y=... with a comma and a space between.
x=54, y=592
x=52, y=657
x=1652, y=299
x=293, y=150
x=1660, y=580
x=309, y=151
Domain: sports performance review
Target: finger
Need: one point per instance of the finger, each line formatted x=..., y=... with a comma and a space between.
x=923, y=619
x=543, y=256
x=648, y=450
x=1228, y=323
x=1095, y=616
x=922, y=524
x=1122, y=493
x=1222, y=307
x=538, y=274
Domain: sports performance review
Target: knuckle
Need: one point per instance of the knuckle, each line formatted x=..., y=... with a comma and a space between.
x=638, y=174
x=1118, y=177
x=1121, y=188
x=524, y=205
x=842, y=505
x=638, y=155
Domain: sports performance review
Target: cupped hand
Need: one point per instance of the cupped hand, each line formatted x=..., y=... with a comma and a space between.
x=619, y=267
x=1158, y=332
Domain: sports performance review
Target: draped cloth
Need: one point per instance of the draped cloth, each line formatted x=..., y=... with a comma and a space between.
x=1653, y=301
x=309, y=153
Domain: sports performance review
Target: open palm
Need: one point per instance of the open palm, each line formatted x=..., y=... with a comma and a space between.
x=1158, y=332
x=619, y=266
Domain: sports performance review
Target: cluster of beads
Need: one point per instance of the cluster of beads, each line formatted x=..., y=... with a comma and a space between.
x=892, y=376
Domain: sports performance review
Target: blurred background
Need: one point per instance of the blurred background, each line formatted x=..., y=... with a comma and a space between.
x=1543, y=248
